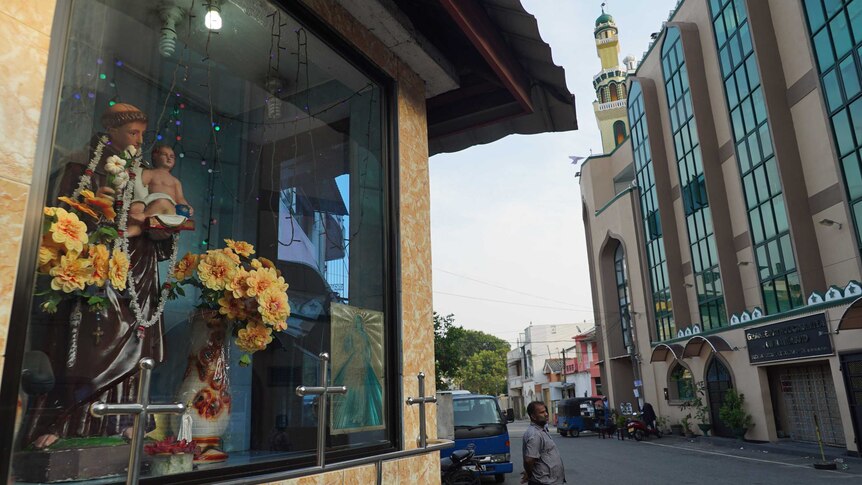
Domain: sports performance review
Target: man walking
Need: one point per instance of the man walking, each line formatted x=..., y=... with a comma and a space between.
x=542, y=462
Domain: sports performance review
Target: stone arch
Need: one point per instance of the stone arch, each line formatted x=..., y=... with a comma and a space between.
x=676, y=371
x=613, y=316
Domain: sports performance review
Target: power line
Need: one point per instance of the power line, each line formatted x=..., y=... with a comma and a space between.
x=512, y=303
x=507, y=289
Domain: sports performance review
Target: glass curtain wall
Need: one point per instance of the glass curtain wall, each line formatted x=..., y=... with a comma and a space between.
x=767, y=215
x=836, y=36
x=218, y=203
x=665, y=327
x=623, y=295
x=698, y=216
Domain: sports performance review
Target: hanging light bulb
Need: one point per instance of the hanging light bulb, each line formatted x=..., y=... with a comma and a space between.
x=273, y=101
x=212, y=20
x=170, y=15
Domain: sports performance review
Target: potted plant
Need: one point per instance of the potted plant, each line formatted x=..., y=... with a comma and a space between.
x=686, y=426
x=661, y=423
x=171, y=456
x=733, y=415
x=701, y=410
x=620, y=424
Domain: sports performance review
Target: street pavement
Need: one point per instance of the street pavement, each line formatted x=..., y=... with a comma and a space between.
x=677, y=460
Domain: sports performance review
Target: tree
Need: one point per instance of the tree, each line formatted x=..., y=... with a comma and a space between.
x=485, y=373
x=454, y=347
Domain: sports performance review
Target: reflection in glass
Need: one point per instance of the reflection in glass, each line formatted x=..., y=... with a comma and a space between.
x=277, y=141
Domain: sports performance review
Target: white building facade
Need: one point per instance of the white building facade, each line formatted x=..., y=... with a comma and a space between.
x=526, y=379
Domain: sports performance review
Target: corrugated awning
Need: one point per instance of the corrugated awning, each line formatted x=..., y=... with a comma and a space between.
x=661, y=351
x=852, y=318
x=507, y=82
x=695, y=345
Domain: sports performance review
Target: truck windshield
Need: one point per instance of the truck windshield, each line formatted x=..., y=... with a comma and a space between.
x=476, y=412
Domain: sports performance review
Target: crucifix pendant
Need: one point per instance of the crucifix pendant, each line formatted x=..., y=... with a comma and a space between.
x=98, y=334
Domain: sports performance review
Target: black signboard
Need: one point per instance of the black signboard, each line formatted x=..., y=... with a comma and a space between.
x=793, y=339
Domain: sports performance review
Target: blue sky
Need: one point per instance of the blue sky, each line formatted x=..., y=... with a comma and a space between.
x=506, y=226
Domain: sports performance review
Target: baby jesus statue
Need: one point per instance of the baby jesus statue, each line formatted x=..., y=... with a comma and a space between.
x=158, y=193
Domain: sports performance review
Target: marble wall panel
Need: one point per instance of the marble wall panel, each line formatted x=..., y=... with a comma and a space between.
x=13, y=201
x=24, y=33
x=23, y=63
x=309, y=480
x=333, y=478
x=390, y=474
x=38, y=14
x=363, y=475
x=423, y=469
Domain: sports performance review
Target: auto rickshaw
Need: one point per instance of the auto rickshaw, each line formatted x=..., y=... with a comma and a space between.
x=581, y=414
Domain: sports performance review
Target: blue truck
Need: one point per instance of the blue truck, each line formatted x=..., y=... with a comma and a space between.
x=482, y=427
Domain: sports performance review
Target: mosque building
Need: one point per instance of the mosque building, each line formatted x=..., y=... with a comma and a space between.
x=724, y=226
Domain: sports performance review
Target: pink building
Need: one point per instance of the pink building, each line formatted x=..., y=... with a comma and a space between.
x=581, y=373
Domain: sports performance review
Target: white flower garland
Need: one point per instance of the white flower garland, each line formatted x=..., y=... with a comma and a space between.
x=75, y=323
x=86, y=179
x=122, y=242
x=122, y=184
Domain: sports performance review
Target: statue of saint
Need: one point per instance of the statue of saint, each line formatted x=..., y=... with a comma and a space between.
x=96, y=360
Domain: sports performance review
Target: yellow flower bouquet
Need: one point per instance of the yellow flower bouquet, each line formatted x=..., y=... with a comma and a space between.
x=80, y=250
x=76, y=261
x=246, y=290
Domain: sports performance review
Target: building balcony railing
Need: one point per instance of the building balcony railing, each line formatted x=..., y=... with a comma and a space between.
x=620, y=103
x=516, y=382
x=606, y=41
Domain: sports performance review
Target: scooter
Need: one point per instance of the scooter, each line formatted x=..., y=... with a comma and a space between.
x=460, y=468
x=639, y=430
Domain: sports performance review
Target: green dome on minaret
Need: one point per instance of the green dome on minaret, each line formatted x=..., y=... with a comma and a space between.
x=604, y=18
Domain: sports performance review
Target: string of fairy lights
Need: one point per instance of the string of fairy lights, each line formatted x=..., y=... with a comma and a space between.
x=173, y=125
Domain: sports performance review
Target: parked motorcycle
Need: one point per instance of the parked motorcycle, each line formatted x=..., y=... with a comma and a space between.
x=639, y=430
x=461, y=468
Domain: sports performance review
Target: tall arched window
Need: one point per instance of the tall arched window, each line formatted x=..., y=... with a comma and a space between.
x=681, y=384
x=615, y=95
x=698, y=216
x=619, y=132
x=623, y=296
x=654, y=243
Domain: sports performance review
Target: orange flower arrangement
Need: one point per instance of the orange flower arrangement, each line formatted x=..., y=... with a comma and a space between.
x=99, y=258
x=255, y=336
x=186, y=266
x=83, y=250
x=216, y=269
x=248, y=291
x=119, y=269
x=240, y=247
x=83, y=208
x=68, y=230
x=72, y=273
x=75, y=258
x=104, y=204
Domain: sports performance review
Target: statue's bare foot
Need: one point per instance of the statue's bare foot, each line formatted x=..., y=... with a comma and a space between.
x=127, y=433
x=45, y=441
